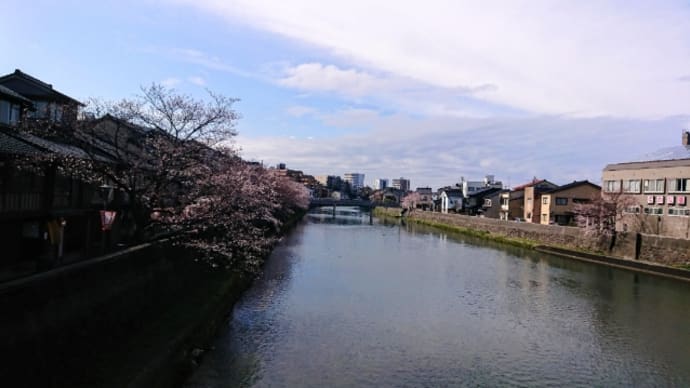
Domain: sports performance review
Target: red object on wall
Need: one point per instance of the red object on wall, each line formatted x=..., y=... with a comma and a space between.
x=670, y=199
x=681, y=199
x=660, y=199
x=650, y=200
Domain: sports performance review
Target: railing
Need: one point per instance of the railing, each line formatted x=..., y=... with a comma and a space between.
x=23, y=201
x=316, y=202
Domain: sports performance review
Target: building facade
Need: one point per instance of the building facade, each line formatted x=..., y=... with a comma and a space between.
x=380, y=184
x=401, y=184
x=355, y=179
x=655, y=193
x=558, y=205
x=531, y=206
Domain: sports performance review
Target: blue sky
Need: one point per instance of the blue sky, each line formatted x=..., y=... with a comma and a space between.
x=431, y=91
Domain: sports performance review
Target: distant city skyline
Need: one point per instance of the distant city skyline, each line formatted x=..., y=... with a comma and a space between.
x=556, y=92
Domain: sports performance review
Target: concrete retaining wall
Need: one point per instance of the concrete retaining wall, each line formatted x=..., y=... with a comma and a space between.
x=655, y=249
x=103, y=323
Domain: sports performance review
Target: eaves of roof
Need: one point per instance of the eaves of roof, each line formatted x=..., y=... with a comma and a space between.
x=11, y=94
x=571, y=185
x=48, y=88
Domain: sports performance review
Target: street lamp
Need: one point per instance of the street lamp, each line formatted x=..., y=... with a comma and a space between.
x=105, y=191
x=107, y=217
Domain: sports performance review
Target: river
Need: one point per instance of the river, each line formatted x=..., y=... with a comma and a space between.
x=346, y=303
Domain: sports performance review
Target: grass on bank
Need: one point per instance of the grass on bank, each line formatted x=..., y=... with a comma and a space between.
x=482, y=234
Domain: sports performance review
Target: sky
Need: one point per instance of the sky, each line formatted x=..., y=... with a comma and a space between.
x=431, y=91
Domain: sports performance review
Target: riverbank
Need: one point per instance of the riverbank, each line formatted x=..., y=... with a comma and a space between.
x=660, y=256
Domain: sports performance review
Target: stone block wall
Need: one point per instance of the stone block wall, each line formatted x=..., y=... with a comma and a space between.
x=563, y=236
x=632, y=246
x=664, y=250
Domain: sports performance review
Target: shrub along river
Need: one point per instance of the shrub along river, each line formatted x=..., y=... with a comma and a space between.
x=346, y=303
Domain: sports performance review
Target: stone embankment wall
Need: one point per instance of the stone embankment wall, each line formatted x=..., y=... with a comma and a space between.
x=655, y=249
x=126, y=319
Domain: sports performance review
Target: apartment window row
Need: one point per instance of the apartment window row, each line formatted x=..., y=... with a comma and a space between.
x=678, y=211
x=636, y=186
x=631, y=186
x=631, y=210
x=654, y=210
x=658, y=210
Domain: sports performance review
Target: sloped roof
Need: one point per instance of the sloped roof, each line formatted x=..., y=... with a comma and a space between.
x=534, y=182
x=11, y=94
x=453, y=192
x=485, y=192
x=28, y=144
x=10, y=145
x=571, y=185
x=29, y=86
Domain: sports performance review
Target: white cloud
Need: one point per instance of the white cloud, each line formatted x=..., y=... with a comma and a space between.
x=437, y=151
x=170, y=82
x=329, y=78
x=581, y=58
x=197, y=80
x=299, y=110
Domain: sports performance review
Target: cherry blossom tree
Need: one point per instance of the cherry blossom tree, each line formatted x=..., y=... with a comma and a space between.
x=410, y=201
x=600, y=215
x=162, y=151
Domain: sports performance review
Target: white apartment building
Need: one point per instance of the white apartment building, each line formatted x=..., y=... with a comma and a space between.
x=380, y=184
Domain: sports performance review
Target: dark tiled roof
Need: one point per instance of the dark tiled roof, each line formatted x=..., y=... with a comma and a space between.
x=7, y=92
x=27, y=144
x=41, y=88
x=571, y=185
x=10, y=145
x=453, y=192
x=485, y=192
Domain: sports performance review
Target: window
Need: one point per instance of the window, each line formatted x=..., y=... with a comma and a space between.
x=678, y=211
x=15, y=111
x=581, y=200
x=561, y=201
x=653, y=185
x=5, y=112
x=631, y=210
x=631, y=186
x=612, y=186
x=654, y=210
x=679, y=185
x=505, y=201
x=545, y=200
x=41, y=109
x=487, y=202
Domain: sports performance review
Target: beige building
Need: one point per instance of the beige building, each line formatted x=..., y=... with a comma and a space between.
x=655, y=192
x=530, y=193
x=557, y=205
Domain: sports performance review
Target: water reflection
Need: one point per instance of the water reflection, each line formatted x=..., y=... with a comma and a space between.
x=344, y=303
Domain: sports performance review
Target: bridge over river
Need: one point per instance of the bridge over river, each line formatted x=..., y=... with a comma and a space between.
x=319, y=202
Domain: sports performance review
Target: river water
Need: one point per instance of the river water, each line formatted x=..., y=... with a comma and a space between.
x=346, y=303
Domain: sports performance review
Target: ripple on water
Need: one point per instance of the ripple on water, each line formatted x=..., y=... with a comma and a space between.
x=356, y=305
